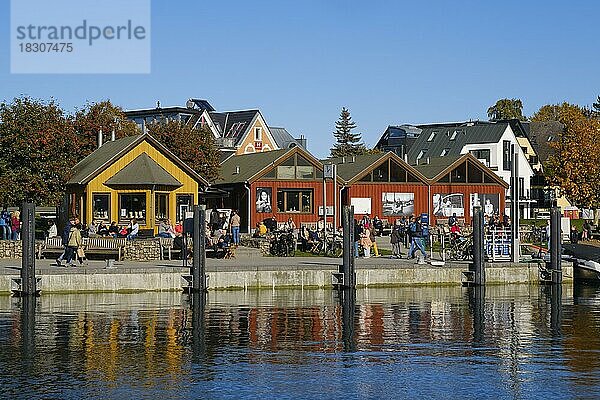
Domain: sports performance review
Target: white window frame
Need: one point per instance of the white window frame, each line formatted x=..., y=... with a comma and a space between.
x=258, y=134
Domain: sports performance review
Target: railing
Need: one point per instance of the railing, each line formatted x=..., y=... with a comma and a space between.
x=498, y=244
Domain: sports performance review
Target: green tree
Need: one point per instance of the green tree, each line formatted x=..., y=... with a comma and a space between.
x=37, y=146
x=347, y=143
x=506, y=109
x=194, y=146
x=96, y=117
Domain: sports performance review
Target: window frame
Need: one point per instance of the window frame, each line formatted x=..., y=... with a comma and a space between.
x=126, y=220
x=300, y=192
x=102, y=194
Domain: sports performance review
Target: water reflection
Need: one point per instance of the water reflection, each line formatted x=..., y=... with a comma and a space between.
x=520, y=340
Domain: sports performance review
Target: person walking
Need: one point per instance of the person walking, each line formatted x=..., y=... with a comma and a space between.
x=357, y=232
x=235, y=223
x=416, y=233
x=65, y=240
x=73, y=244
x=365, y=241
x=373, y=239
x=395, y=241
x=15, y=222
x=214, y=219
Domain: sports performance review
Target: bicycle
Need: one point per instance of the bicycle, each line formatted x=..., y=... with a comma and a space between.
x=283, y=244
x=461, y=248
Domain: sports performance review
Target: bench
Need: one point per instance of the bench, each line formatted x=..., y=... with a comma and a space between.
x=100, y=245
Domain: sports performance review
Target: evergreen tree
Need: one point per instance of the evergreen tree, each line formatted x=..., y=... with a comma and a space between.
x=347, y=143
x=596, y=107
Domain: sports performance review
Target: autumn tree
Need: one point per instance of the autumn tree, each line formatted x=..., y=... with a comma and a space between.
x=347, y=143
x=506, y=109
x=575, y=164
x=557, y=112
x=96, y=117
x=37, y=147
x=193, y=145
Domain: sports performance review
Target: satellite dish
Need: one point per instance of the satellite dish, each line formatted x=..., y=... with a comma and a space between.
x=190, y=104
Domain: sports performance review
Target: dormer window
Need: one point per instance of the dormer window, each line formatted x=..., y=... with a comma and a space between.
x=421, y=154
x=258, y=134
x=431, y=136
x=444, y=152
x=453, y=135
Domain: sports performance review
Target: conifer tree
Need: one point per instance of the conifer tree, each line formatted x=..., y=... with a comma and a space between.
x=347, y=143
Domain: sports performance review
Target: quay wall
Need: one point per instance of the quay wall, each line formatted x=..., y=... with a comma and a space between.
x=157, y=279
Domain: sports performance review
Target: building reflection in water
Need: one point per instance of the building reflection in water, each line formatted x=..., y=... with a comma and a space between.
x=161, y=339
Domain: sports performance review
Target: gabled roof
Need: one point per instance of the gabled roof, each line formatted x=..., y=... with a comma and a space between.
x=541, y=134
x=446, y=140
x=234, y=124
x=438, y=167
x=352, y=168
x=249, y=167
x=88, y=168
x=283, y=138
x=143, y=171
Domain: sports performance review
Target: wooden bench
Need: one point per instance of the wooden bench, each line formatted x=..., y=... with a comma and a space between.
x=166, y=244
x=100, y=245
x=50, y=245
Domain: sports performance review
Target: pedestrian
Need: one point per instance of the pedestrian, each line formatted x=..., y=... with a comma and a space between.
x=65, y=240
x=416, y=233
x=574, y=235
x=357, y=232
x=73, y=243
x=373, y=240
x=235, y=223
x=113, y=230
x=214, y=219
x=3, y=229
x=395, y=240
x=16, y=225
x=365, y=241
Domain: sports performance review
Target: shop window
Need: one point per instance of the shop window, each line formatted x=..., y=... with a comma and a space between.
x=101, y=206
x=161, y=206
x=286, y=172
x=296, y=167
x=132, y=205
x=184, y=204
x=295, y=200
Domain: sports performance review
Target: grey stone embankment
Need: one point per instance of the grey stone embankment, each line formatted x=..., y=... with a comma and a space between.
x=252, y=271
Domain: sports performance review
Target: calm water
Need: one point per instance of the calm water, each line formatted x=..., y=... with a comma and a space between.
x=515, y=342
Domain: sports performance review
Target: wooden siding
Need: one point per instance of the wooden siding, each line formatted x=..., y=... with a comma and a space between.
x=374, y=191
x=96, y=185
x=315, y=185
x=466, y=190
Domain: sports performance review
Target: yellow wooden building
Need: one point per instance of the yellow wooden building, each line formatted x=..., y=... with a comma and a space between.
x=133, y=177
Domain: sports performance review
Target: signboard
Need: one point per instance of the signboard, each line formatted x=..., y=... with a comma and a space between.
x=328, y=171
x=329, y=210
x=362, y=205
x=257, y=145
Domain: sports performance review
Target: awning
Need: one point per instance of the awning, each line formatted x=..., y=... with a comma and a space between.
x=213, y=193
x=143, y=171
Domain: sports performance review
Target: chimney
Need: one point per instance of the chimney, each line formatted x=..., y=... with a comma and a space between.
x=237, y=170
x=343, y=160
x=100, y=138
x=353, y=159
x=428, y=160
x=406, y=158
x=112, y=136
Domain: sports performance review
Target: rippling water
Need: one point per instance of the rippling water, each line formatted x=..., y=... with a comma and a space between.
x=509, y=342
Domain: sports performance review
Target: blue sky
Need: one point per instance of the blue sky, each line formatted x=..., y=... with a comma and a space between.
x=389, y=62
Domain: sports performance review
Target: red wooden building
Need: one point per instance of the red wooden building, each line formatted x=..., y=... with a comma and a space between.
x=282, y=183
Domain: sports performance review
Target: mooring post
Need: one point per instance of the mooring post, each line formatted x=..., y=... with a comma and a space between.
x=348, y=250
x=478, y=265
x=199, y=262
x=348, y=303
x=28, y=304
x=555, y=246
x=515, y=191
x=477, y=302
x=28, y=280
x=198, y=305
x=555, y=309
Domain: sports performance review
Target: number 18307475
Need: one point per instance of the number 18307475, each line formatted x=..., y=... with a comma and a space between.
x=50, y=47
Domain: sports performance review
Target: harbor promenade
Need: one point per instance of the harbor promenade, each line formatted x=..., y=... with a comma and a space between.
x=253, y=271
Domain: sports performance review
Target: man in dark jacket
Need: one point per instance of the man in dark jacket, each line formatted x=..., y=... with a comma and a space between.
x=65, y=240
x=357, y=232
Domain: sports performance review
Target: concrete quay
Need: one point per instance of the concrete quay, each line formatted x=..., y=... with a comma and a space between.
x=259, y=273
